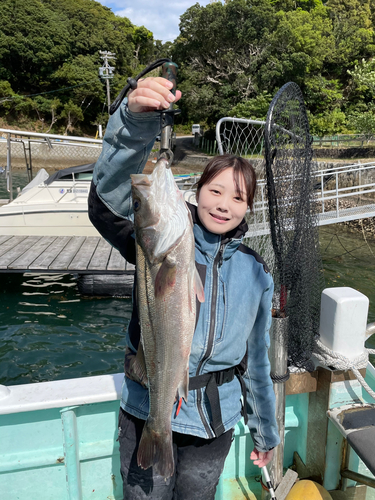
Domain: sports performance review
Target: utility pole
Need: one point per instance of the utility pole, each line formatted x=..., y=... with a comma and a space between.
x=106, y=71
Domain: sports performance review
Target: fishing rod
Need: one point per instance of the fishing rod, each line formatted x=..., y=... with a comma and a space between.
x=169, y=71
x=269, y=483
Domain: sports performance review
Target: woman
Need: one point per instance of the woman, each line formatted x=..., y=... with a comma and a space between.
x=228, y=368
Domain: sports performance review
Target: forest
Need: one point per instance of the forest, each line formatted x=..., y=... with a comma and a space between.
x=232, y=55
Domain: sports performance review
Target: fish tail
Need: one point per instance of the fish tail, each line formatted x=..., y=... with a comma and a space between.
x=155, y=449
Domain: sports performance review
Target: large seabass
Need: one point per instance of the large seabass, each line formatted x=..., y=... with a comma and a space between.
x=167, y=284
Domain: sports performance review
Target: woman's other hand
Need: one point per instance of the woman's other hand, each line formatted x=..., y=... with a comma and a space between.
x=261, y=458
x=152, y=94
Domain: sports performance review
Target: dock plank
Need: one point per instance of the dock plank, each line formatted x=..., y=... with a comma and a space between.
x=4, y=238
x=46, y=258
x=10, y=243
x=83, y=257
x=116, y=261
x=101, y=256
x=17, y=251
x=63, y=260
x=32, y=253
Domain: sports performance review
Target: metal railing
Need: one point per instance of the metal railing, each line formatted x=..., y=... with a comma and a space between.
x=44, y=150
x=343, y=193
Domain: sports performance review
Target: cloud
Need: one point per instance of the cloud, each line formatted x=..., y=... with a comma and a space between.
x=160, y=17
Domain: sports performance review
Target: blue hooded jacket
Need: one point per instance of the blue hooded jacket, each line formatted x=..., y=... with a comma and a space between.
x=236, y=315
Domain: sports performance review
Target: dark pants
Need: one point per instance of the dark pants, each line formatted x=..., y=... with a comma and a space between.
x=198, y=465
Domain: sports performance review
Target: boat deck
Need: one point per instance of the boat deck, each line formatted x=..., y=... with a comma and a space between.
x=56, y=254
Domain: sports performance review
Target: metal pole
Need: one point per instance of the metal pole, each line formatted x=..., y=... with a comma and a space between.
x=108, y=95
x=9, y=170
x=360, y=478
x=278, y=355
x=106, y=72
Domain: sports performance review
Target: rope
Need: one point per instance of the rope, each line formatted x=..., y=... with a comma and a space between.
x=327, y=357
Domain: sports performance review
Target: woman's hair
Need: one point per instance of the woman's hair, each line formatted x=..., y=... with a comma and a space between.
x=240, y=167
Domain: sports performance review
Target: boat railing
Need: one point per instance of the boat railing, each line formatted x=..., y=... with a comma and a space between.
x=36, y=149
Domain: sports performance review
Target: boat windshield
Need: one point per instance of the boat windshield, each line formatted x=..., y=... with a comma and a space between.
x=79, y=173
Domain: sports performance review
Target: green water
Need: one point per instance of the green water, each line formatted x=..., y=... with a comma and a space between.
x=49, y=332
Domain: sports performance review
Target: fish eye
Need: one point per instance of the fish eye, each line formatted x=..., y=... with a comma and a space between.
x=136, y=205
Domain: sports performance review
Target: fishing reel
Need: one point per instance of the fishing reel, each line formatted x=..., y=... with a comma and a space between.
x=169, y=71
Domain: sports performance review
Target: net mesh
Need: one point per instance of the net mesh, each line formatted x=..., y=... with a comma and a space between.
x=293, y=216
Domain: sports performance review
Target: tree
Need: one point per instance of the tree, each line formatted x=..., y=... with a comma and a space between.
x=353, y=33
x=363, y=75
x=72, y=113
x=364, y=123
x=255, y=108
x=329, y=123
x=222, y=48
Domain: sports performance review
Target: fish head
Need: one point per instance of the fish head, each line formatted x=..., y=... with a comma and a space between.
x=160, y=212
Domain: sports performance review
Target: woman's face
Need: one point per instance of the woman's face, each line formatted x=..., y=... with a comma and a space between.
x=220, y=207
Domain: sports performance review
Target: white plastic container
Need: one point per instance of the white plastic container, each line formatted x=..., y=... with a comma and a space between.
x=343, y=320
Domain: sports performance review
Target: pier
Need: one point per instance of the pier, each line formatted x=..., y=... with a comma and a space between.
x=61, y=254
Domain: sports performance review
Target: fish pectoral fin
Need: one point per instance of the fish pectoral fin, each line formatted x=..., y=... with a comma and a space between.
x=139, y=366
x=166, y=276
x=198, y=287
x=183, y=388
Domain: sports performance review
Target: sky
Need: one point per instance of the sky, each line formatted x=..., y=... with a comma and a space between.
x=160, y=17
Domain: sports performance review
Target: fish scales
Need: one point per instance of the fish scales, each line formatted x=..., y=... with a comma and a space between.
x=167, y=283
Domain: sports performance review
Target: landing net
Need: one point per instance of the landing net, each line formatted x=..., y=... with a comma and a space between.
x=293, y=215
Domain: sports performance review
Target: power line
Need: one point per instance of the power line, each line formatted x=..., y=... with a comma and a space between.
x=48, y=91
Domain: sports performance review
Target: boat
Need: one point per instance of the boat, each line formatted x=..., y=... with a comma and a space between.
x=51, y=205
x=59, y=439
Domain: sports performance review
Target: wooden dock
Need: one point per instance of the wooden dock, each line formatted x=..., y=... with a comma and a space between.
x=61, y=254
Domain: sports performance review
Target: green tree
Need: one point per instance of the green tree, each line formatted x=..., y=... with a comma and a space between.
x=255, y=108
x=329, y=123
x=220, y=50
x=353, y=33
x=6, y=95
x=72, y=114
x=363, y=123
x=48, y=45
x=363, y=75
x=322, y=95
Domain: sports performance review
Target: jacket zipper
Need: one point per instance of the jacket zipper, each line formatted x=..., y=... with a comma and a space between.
x=217, y=263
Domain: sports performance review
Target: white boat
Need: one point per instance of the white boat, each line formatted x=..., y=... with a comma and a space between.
x=53, y=205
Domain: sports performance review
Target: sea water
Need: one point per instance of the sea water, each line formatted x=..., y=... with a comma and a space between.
x=48, y=331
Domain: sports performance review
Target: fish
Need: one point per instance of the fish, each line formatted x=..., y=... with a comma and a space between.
x=167, y=285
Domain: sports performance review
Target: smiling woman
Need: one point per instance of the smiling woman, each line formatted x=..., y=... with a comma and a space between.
x=225, y=192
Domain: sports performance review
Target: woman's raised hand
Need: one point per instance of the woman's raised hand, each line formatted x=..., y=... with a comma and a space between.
x=152, y=94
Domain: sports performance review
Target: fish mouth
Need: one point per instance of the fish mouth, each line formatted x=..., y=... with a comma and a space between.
x=219, y=218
